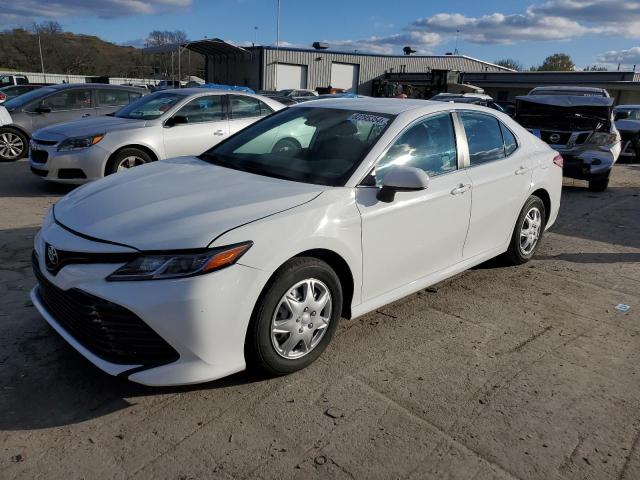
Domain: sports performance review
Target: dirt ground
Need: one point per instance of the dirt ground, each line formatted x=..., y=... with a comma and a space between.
x=501, y=372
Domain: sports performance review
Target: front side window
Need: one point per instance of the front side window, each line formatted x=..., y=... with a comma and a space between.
x=322, y=146
x=203, y=109
x=248, y=107
x=112, y=98
x=71, y=99
x=483, y=136
x=151, y=106
x=429, y=145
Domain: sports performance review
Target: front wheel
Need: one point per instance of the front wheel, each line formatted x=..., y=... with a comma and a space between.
x=599, y=184
x=13, y=145
x=295, y=318
x=125, y=159
x=528, y=231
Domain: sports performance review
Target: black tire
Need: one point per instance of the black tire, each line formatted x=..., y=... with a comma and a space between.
x=285, y=145
x=599, y=184
x=260, y=351
x=515, y=255
x=115, y=161
x=10, y=140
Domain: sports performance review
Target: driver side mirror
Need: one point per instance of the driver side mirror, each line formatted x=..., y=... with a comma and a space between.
x=176, y=120
x=43, y=109
x=402, y=178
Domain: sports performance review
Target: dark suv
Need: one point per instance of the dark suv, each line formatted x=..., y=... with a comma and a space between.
x=21, y=116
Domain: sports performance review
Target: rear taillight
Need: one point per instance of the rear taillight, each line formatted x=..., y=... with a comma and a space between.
x=3, y=97
x=558, y=160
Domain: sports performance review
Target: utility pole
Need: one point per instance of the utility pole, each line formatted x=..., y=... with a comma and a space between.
x=41, y=59
x=275, y=86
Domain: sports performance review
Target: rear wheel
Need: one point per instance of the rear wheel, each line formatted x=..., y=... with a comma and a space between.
x=295, y=318
x=13, y=144
x=527, y=232
x=599, y=184
x=127, y=158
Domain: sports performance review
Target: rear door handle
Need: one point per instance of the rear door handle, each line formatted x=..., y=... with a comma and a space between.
x=522, y=171
x=461, y=189
x=219, y=132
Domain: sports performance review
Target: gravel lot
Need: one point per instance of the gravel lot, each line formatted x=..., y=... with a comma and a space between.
x=501, y=372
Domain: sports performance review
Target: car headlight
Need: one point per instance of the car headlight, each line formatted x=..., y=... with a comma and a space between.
x=78, y=143
x=160, y=267
x=601, y=139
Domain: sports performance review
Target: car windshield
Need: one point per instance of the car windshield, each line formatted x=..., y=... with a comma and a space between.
x=322, y=146
x=150, y=107
x=28, y=97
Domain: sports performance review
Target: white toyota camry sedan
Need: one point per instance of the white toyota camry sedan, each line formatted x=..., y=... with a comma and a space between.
x=191, y=269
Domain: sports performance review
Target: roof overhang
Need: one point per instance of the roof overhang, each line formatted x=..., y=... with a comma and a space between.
x=208, y=46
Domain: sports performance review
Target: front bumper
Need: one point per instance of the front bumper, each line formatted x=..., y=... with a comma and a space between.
x=592, y=163
x=203, y=318
x=72, y=167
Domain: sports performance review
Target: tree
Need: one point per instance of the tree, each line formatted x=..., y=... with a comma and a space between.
x=166, y=37
x=510, y=63
x=558, y=62
x=46, y=28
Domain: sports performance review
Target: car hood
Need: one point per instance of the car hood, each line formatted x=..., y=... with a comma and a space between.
x=91, y=126
x=631, y=126
x=174, y=204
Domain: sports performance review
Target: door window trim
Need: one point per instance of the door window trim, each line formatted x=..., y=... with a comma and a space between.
x=460, y=159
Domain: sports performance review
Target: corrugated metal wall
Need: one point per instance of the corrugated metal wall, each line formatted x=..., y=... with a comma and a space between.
x=38, y=77
x=371, y=66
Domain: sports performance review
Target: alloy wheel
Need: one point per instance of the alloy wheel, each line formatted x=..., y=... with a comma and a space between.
x=301, y=319
x=11, y=146
x=530, y=231
x=129, y=162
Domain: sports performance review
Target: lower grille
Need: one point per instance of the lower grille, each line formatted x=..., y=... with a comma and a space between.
x=107, y=330
x=39, y=156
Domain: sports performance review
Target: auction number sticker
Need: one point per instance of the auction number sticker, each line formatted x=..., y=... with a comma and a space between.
x=368, y=118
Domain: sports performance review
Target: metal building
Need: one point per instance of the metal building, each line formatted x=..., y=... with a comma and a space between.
x=270, y=68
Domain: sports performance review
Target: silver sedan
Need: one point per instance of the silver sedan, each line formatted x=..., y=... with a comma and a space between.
x=162, y=125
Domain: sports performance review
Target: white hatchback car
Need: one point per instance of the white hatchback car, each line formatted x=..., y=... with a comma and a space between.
x=164, y=124
x=187, y=270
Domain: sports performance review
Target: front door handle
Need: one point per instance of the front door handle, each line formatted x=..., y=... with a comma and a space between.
x=463, y=187
x=86, y=115
x=219, y=132
x=521, y=171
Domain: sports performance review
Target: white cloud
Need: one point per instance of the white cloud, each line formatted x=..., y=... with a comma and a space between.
x=422, y=42
x=630, y=56
x=24, y=11
x=501, y=28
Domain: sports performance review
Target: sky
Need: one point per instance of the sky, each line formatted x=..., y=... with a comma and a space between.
x=603, y=32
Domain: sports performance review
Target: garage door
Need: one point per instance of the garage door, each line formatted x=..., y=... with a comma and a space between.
x=291, y=76
x=345, y=75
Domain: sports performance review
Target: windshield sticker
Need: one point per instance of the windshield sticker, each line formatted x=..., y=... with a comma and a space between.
x=364, y=117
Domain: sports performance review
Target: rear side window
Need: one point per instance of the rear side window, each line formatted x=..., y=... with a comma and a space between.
x=247, y=107
x=112, y=98
x=510, y=142
x=484, y=137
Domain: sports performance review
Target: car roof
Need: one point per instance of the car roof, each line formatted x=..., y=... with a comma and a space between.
x=64, y=86
x=393, y=106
